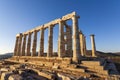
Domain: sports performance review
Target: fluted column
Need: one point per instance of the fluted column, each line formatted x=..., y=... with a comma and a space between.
x=16, y=46
x=76, y=46
x=41, y=50
x=69, y=40
x=29, y=44
x=93, y=45
x=50, y=42
x=24, y=45
x=34, y=44
x=19, y=44
x=84, y=46
x=81, y=36
x=61, y=46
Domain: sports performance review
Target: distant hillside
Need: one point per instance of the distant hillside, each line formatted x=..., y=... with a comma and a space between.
x=104, y=54
x=6, y=55
x=99, y=53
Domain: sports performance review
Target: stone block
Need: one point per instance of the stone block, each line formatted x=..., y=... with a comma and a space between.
x=76, y=69
x=56, y=66
x=6, y=75
x=12, y=67
x=93, y=66
x=93, y=63
x=4, y=69
x=63, y=77
x=49, y=64
x=15, y=77
x=47, y=75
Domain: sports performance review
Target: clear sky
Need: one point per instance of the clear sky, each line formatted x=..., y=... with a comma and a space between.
x=99, y=17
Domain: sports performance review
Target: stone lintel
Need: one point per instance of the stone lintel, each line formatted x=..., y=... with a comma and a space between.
x=54, y=22
x=69, y=16
x=35, y=29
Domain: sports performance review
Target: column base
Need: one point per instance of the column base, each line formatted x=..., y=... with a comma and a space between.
x=76, y=60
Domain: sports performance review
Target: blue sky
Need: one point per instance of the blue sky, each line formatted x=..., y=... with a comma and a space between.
x=99, y=17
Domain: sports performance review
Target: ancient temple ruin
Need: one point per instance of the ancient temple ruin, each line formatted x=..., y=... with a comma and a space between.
x=71, y=60
x=73, y=38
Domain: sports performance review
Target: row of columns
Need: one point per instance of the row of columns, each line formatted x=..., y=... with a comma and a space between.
x=76, y=43
x=20, y=45
x=83, y=44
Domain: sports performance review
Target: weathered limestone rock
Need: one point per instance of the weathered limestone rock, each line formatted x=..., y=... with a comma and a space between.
x=47, y=75
x=15, y=77
x=76, y=69
x=63, y=77
x=56, y=66
x=4, y=69
x=12, y=67
x=6, y=75
x=91, y=63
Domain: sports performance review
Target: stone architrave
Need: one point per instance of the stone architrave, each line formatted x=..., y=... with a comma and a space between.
x=16, y=46
x=93, y=45
x=50, y=42
x=61, y=46
x=34, y=44
x=24, y=45
x=29, y=44
x=41, y=50
x=75, y=35
x=19, y=44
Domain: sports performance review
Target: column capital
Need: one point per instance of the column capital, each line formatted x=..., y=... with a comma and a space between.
x=20, y=34
x=92, y=35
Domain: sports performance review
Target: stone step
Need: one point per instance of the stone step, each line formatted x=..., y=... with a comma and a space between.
x=47, y=75
x=104, y=72
x=92, y=67
x=75, y=69
x=92, y=63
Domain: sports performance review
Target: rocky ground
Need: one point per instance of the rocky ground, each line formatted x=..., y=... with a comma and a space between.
x=18, y=71
x=23, y=71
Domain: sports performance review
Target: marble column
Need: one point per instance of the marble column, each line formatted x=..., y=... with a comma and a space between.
x=50, y=42
x=75, y=35
x=24, y=45
x=16, y=46
x=84, y=46
x=41, y=50
x=34, y=44
x=69, y=39
x=29, y=44
x=81, y=36
x=93, y=45
x=61, y=46
x=19, y=44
